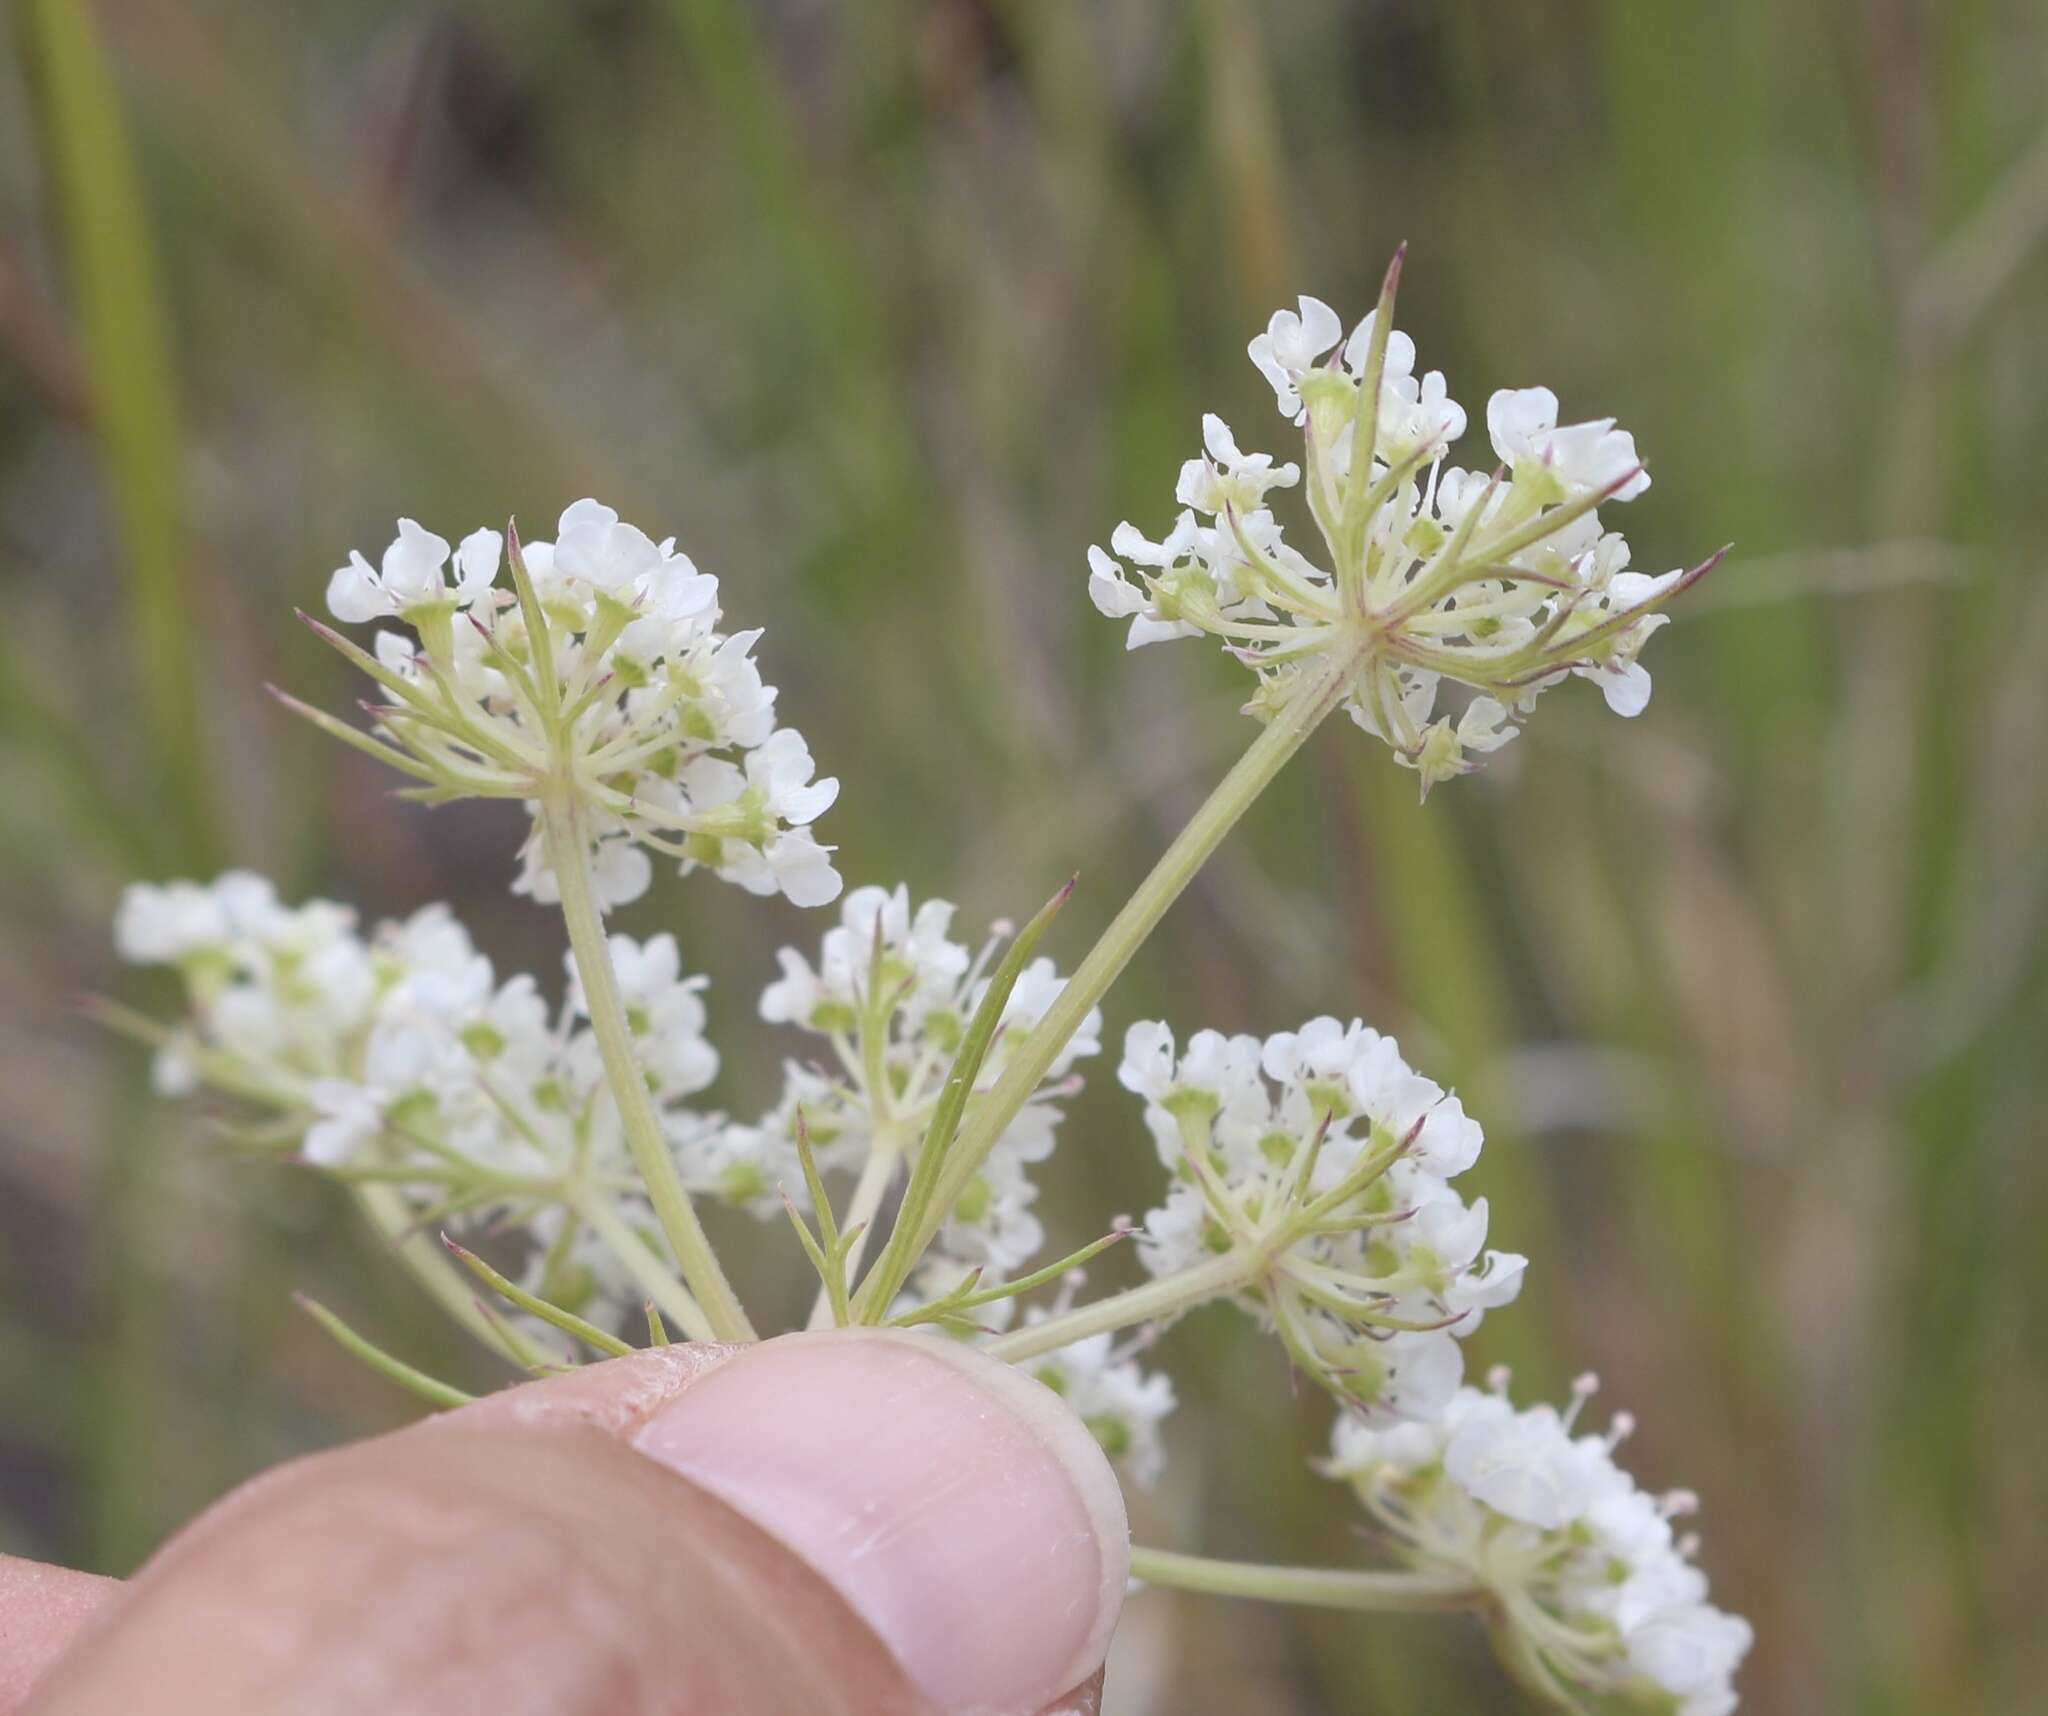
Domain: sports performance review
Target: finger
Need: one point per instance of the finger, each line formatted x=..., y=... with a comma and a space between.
x=484, y=1568
x=956, y=1504
x=868, y=1522
x=624, y=1397
x=41, y=1611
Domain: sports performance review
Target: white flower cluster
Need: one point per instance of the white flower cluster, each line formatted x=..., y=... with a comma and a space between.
x=659, y=718
x=1323, y=1161
x=892, y=995
x=1121, y=1403
x=280, y=994
x=1505, y=584
x=402, y=1058
x=1593, y=1594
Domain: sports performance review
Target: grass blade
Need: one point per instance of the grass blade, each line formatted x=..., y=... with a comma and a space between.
x=118, y=302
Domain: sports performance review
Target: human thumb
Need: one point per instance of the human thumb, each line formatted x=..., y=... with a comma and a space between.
x=850, y=1522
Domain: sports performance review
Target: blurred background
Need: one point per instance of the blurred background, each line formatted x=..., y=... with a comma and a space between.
x=888, y=310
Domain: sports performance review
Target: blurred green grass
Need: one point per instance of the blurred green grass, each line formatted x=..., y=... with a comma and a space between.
x=888, y=310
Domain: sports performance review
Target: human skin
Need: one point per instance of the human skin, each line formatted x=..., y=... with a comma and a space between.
x=847, y=1523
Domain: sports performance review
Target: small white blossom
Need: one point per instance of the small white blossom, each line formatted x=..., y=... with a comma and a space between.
x=1600, y=1597
x=413, y=573
x=1584, y=458
x=664, y=1011
x=749, y=1167
x=404, y=1054
x=1292, y=345
x=163, y=925
x=891, y=990
x=1121, y=1403
x=1321, y=1151
x=1228, y=480
x=992, y=1223
x=594, y=548
x=1427, y=577
x=664, y=725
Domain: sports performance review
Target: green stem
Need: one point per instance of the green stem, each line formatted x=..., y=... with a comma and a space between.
x=1268, y=754
x=1320, y=1587
x=1155, y=1300
x=868, y=1191
x=641, y=1263
x=396, y=1220
x=564, y=827
x=431, y=1389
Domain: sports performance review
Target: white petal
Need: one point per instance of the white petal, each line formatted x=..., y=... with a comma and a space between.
x=412, y=564
x=586, y=514
x=1320, y=327
x=1516, y=416
x=476, y=564
x=1626, y=689
x=803, y=869
x=1221, y=444
x=353, y=593
x=808, y=803
x=621, y=872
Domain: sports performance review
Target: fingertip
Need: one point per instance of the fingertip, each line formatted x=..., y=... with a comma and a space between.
x=617, y=1396
x=42, y=1610
x=956, y=1505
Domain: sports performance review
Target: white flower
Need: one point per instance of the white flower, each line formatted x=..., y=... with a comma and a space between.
x=161, y=925
x=1484, y=727
x=1180, y=1233
x=765, y=807
x=412, y=573
x=279, y=988
x=1692, y=1651
x=1586, y=458
x=1228, y=480
x=404, y=1053
x=675, y=600
x=1120, y=1403
x=1117, y=597
x=664, y=1011
x=750, y=1167
x=791, y=864
x=1031, y=997
x=1580, y=1564
x=780, y=769
x=894, y=994
x=620, y=871
x=1504, y=584
x=1292, y=345
x=1416, y=415
x=671, y=744
x=919, y=964
x=353, y=1113
x=992, y=1223
x=593, y=546
x=1322, y=1153
x=1522, y=1464
x=796, y=997
x=350, y=1117
x=733, y=701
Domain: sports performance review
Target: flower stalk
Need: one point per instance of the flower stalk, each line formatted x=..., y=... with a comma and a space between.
x=1385, y=1592
x=1314, y=697
x=660, y=1286
x=716, y=1313
x=868, y=1191
x=1153, y=1302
